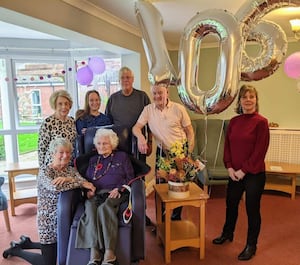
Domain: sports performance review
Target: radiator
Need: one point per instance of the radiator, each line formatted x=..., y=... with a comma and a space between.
x=284, y=146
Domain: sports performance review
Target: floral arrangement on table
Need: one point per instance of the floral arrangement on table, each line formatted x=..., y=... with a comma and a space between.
x=178, y=166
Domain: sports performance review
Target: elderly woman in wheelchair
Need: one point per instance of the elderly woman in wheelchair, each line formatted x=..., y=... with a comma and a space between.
x=108, y=170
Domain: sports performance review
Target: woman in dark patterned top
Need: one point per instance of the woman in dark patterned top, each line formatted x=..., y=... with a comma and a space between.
x=108, y=170
x=90, y=116
x=59, y=124
x=53, y=178
x=246, y=144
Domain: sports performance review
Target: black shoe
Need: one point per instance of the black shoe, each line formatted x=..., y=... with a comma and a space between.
x=25, y=239
x=11, y=251
x=247, y=253
x=223, y=238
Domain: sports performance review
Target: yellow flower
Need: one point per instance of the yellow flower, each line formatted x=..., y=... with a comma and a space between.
x=177, y=166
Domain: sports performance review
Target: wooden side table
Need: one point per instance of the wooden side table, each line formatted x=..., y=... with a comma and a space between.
x=282, y=177
x=184, y=233
x=22, y=196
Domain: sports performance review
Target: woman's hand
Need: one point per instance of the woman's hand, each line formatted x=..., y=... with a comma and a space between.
x=91, y=189
x=240, y=174
x=114, y=193
x=88, y=185
x=61, y=180
x=232, y=175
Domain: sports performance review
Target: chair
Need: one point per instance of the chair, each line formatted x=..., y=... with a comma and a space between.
x=131, y=236
x=3, y=205
x=209, y=145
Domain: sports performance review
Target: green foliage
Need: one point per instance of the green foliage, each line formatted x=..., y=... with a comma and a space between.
x=27, y=143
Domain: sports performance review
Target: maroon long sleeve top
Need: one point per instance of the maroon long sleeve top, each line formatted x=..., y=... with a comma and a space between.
x=246, y=143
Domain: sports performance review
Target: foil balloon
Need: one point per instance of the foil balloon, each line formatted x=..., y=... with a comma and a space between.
x=292, y=66
x=273, y=46
x=226, y=28
x=270, y=36
x=150, y=22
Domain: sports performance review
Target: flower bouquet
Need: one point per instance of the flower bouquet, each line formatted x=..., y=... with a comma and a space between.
x=177, y=165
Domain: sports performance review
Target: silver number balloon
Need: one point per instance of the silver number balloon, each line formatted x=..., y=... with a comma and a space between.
x=273, y=46
x=161, y=69
x=219, y=97
x=269, y=36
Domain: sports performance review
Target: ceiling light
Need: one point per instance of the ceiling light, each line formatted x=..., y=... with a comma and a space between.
x=295, y=24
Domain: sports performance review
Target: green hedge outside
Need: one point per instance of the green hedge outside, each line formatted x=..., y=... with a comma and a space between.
x=27, y=142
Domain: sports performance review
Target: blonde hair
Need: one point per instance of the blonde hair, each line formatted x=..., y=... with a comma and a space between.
x=59, y=93
x=113, y=137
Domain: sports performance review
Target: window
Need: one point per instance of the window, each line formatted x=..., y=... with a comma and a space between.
x=106, y=83
x=29, y=84
x=34, y=83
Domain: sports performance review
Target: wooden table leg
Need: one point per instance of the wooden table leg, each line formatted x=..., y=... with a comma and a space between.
x=6, y=220
x=202, y=231
x=158, y=216
x=167, y=233
x=293, y=191
x=11, y=193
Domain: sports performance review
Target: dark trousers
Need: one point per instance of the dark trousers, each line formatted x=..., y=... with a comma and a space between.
x=46, y=257
x=253, y=185
x=176, y=214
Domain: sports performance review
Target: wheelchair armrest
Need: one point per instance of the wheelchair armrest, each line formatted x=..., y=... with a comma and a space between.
x=66, y=206
x=138, y=219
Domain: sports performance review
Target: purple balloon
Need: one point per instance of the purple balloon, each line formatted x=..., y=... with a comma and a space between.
x=84, y=76
x=292, y=65
x=97, y=65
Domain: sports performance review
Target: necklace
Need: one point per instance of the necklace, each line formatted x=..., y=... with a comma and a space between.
x=99, y=165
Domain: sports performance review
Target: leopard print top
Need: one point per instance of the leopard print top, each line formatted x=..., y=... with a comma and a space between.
x=48, y=197
x=50, y=129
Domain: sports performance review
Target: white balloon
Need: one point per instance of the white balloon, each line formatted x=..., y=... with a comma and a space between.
x=225, y=26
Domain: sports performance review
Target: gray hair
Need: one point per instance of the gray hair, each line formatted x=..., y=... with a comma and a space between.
x=125, y=69
x=57, y=142
x=60, y=93
x=113, y=137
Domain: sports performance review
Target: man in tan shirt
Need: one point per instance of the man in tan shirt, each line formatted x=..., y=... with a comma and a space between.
x=169, y=122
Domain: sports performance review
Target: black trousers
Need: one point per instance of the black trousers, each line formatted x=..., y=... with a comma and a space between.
x=176, y=214
x=253, y=185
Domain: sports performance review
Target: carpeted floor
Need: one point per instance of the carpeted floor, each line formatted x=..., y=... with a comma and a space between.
x=279, y=241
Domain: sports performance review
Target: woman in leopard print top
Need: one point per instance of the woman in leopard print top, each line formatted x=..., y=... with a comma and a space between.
x=59, y=124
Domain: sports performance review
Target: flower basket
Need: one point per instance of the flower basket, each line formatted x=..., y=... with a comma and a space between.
x=178, y=190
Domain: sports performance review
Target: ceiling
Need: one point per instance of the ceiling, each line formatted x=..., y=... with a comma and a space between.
x=175, y=15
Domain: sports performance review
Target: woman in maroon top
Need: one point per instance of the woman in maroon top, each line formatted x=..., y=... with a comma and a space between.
x=246, y=144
